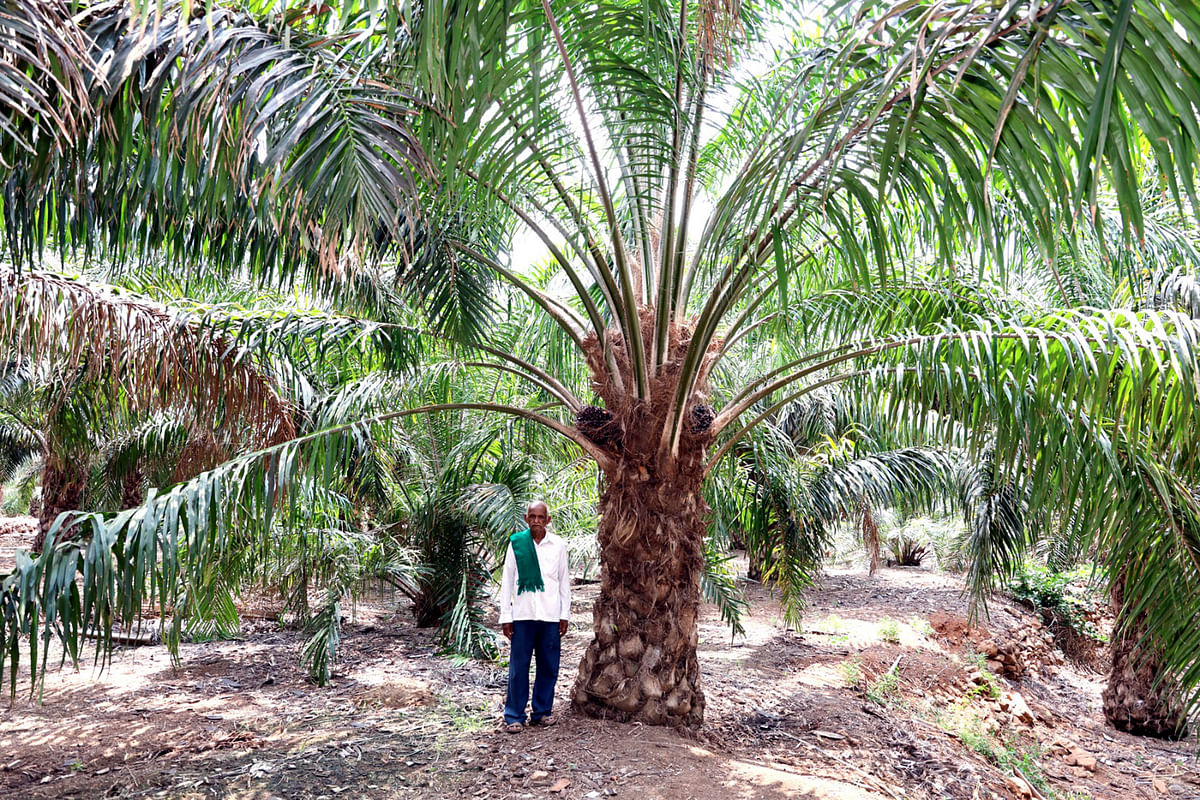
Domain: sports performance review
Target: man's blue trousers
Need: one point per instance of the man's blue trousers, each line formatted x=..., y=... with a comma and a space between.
x=541, y=641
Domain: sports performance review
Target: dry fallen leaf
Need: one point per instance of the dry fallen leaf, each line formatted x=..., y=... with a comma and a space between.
x=560, y=786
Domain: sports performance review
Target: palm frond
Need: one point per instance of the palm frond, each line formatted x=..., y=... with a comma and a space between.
x=23, y=480
x=319, y=653
x=149, y=356
x=205, y=121
x=719, y=586
x=45, y=72
x=996, y=538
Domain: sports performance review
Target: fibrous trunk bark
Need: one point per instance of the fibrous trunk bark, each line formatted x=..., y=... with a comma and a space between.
x=1140, y=697
x=1137, y=699
x=642, y=663
x=63, y=483
x=870, y=536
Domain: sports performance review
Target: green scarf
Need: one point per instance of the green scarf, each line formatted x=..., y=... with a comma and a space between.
x=529, y=572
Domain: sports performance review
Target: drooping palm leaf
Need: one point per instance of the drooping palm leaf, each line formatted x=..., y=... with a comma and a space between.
x=149, y=356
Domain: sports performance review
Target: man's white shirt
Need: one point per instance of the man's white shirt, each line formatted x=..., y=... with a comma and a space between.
x=552, y=603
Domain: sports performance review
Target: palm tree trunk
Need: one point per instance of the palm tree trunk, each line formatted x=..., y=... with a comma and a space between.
x=1141, y=699
x=642, y=663
x=63, y=484
x=132, y=493
x=1132, y=700
x=870, y=536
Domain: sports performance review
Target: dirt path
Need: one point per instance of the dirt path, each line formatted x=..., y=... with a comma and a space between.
x=798, y=715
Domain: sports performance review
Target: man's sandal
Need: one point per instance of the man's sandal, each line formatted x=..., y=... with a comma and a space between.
x=514, y=727
x=545, y=721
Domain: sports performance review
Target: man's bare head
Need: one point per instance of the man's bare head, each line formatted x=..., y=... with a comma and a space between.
x=537, y=516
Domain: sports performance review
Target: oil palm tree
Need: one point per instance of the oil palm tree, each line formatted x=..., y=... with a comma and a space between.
x=889, y=141
x=1155, y=272
x=816, y=463
x=687, y=194
x=461, y=499
x=422, y=509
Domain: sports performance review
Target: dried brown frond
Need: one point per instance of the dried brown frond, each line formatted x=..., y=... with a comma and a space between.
x=719, y=26
x=140, y=352
x=203, y=451
x=45, y=64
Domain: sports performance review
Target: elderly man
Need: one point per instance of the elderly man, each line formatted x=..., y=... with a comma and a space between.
x=535, y=604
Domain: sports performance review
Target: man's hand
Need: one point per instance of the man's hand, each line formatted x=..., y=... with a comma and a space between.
x=562, y=627
x=506, y=629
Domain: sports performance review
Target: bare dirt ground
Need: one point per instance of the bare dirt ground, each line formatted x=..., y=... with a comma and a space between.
x=808, y=714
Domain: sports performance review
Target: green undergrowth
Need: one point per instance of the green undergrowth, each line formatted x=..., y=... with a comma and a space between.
x=885, y=690
x=466, y=719
x=991, y=683
x=1072, y=597
x=922, y=627
x=852, y=672
x=461, y=721
x=962, y=720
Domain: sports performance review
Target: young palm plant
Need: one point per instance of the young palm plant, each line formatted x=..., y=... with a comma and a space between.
x=461, y=498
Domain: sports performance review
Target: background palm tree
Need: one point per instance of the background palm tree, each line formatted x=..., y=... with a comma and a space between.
x=1105, y=270
x=154, y=387
x=815, y=464
x=688, y=196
